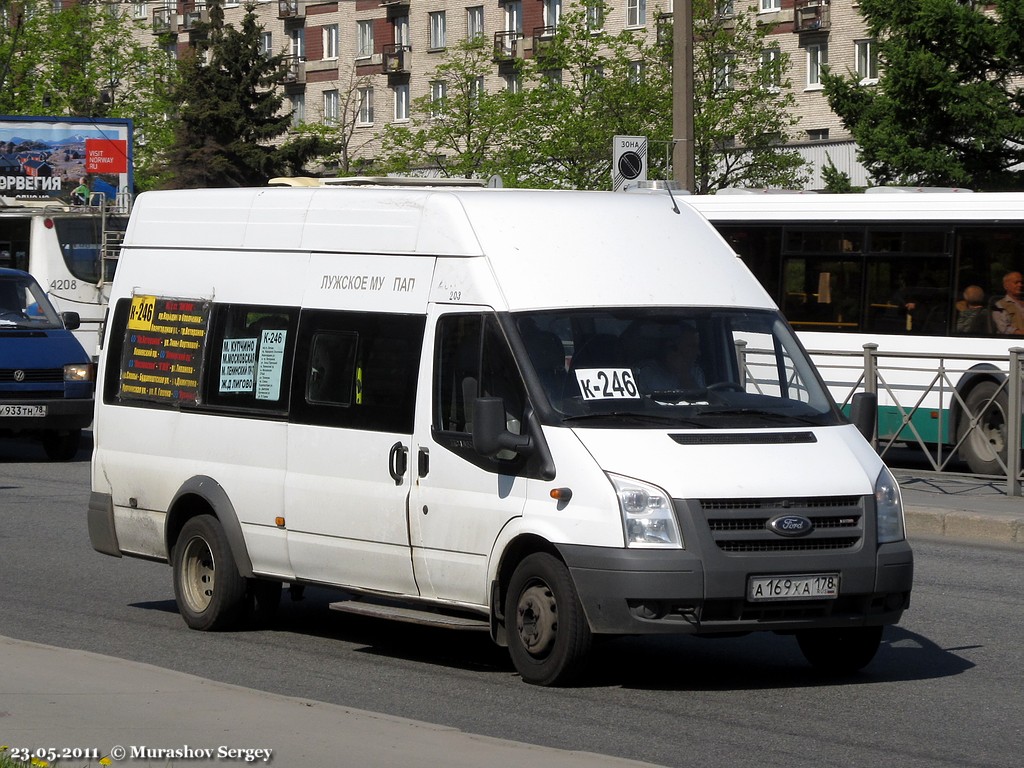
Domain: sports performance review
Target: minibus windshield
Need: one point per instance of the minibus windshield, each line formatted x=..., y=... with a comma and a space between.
x=665, y=366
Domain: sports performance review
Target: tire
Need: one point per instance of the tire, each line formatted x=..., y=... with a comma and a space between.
x=548, y=633
x=840, y=651
x=984, y=447
x=62, y=446
x=207, y=585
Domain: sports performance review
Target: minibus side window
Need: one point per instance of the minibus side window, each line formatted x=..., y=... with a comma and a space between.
x=357, y=370
x=249, y=357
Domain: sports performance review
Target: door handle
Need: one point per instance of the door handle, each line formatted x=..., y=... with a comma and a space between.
x=424, y=462
x=398, y=462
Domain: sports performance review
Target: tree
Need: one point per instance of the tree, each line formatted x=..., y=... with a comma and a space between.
x=741, y=98
x=460, y=128
x=230, y=111
x=948, y=109
x=81, y=60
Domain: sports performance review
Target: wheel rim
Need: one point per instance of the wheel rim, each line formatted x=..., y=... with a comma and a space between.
x=198, y=575
x=537, y=619
x=988, y=439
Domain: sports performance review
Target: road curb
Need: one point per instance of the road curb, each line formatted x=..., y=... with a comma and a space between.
x=965, y=525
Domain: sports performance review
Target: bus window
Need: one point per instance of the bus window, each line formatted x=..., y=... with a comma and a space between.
x=80, y=241
x=759, y=247
x=909, y=295
x=822, y=294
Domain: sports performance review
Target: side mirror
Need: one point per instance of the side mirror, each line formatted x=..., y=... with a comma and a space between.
x=490, y=435
x=864, y=413
x=72, y=320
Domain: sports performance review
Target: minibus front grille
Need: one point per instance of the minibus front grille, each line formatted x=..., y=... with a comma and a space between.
x=31, y=375
x=740, y=526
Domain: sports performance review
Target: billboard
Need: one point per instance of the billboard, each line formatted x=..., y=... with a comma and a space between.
x=70, y=158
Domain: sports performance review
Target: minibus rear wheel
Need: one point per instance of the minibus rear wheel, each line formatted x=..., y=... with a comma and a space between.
x=207, y=585
x=548, y=634
x=840, y=651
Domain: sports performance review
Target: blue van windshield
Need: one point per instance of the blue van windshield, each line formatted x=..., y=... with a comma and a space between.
x=649, y=366
x=23, y=304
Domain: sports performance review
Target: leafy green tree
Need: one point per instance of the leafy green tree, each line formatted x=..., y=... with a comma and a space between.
x=741, y=103
x=948, y=108
x=463, y=133
x=229, y=113
x=82, y=60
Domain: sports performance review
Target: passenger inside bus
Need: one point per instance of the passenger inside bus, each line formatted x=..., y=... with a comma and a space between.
x=973, y=317
x=1009, y=315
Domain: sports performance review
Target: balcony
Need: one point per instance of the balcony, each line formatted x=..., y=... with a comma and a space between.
x=393, y=3
x=811, y=16
x=164, y=21
x=295, y=70
x=507, y=46
x=190, y=20
x=397, y=59
x=543, y=41
x=289, y=9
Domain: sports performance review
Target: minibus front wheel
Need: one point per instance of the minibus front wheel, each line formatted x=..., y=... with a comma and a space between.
x=548, y=633
x=207, y=585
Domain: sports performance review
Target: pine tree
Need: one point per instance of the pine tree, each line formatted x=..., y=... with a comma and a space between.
x=230, y=110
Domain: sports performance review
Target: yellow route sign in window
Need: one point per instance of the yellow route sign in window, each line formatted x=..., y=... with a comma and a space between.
x=140, y=317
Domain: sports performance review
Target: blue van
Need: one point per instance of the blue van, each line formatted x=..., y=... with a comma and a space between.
x=46, y=377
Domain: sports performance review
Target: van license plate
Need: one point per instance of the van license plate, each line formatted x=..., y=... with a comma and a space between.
x=22, y=410
x=817, y=586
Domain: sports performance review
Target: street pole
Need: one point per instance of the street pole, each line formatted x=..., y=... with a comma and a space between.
x=682, y=93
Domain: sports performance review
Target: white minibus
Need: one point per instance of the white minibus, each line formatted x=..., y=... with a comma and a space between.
x=549, y=415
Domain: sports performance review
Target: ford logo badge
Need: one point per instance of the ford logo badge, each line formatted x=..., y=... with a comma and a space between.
x=791, y=525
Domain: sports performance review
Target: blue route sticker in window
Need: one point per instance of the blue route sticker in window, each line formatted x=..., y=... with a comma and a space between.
x=607, y=384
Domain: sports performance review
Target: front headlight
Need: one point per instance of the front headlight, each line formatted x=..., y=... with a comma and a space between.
x=888, y=508
x=647, y=514
x=78, y=372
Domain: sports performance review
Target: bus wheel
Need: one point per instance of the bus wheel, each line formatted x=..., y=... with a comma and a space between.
x=207, y=585
x=840, y=651
x=62, y=446
x=985, y=446
x=548, y=634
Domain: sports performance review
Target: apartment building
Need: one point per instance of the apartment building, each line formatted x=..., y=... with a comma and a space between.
x=368, y=60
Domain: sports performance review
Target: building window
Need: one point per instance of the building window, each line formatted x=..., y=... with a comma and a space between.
x=867, y=61
x=769, y=6
x=365, y=106
x=595, y=16
x=438, y=93
x=636, y=72
x=771, y=66
x=140, y=10
x=331, y=113
x=552, y=12
x=331, y=41
x=817, y=59
x=636, y=13
x=298, y=109
x=513, y=83
x=364, y=39
x=514, y=16
x=474, y=22
x=267, y=44
x=297, y=42
x=438, y=30
x=402, y=102
x=817, y=134
x=724, y=72
x=401, y=30
x=476, y=89
x=725, y=9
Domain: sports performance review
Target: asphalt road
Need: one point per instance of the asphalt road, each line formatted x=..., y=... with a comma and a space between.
x=945, y=689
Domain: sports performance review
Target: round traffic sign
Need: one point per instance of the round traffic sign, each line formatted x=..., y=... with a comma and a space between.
x=630, y=165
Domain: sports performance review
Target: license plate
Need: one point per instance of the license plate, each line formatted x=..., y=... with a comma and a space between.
x=23, y=410
x=816, y=586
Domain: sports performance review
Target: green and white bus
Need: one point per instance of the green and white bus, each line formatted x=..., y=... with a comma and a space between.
x=889, y=267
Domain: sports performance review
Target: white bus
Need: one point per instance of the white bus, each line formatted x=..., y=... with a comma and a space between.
x=891, y=269
x=70, y=250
